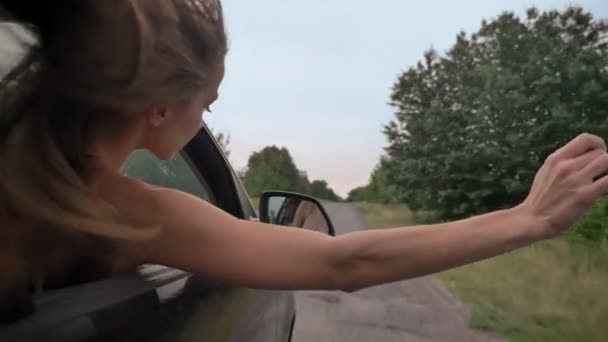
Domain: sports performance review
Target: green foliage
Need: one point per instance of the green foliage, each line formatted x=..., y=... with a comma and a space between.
x=320, y=189
x=273, y=168
x=473, y=127
x=379, y=189
x=593, y=227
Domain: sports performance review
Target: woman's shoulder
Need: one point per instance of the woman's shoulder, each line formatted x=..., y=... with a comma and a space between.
x=114, y=185
x=134, y=199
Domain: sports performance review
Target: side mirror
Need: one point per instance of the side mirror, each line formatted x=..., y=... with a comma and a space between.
x=295, y=210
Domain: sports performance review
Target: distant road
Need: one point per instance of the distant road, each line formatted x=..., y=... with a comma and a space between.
x=416, y=310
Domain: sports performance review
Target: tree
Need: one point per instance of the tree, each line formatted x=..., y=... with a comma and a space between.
x=223, y=140
x=272, y=168
x=321, y=190
x=379, y=189
x=472, y=127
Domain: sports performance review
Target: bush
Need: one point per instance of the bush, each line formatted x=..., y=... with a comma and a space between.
x=593, y=227
x=473, y=126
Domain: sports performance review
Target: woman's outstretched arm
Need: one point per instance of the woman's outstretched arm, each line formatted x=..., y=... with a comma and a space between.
x=202, y=239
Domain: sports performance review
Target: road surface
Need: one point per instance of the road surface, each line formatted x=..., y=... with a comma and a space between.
x=415, y=310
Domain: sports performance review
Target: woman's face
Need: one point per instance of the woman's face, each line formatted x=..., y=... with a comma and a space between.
x=169, y=131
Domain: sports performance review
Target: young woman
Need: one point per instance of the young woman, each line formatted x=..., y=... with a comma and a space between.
x=107, y=77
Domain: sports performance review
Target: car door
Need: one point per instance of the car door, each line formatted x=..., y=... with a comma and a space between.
x=204, y=310
x=161, y=303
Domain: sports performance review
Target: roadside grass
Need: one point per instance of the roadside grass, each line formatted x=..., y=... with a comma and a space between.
x=556, y=290
x=389, y=216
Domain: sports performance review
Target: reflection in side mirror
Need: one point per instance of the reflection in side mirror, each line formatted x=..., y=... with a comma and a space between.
x=295, y=210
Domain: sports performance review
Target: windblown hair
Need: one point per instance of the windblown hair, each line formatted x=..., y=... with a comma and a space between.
x=90, y=62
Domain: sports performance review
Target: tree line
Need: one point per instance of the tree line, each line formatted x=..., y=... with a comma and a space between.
x=273, y=168
x=472, y=126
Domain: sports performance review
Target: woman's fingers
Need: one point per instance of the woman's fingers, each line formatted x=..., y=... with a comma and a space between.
x=584, y=161
x=598, y=188
x=595, y=167
x=576, y=147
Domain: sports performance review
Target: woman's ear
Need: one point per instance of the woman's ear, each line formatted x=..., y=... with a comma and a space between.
x=156, y=116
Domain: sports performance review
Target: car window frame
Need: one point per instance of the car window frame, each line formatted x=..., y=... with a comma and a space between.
x=199, y=177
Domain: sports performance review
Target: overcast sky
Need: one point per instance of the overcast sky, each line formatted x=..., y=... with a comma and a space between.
x=315, y=76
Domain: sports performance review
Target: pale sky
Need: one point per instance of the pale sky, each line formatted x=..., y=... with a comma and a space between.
x=315, y=76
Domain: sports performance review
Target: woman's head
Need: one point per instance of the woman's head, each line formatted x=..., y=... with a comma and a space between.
x=127, y=57
x=101, y=65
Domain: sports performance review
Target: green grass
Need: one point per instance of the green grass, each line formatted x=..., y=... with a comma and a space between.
x=389, y=216
x=552, y=291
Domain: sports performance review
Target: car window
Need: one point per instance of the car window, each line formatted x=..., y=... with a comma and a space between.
x=176, y=173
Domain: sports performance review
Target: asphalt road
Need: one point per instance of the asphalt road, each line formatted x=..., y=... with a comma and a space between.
x=415, y=310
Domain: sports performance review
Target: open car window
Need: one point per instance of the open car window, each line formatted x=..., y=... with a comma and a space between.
x=176, y=173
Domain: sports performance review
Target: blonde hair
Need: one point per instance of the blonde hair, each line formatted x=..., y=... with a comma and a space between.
x=90, y=62
x=93, y=61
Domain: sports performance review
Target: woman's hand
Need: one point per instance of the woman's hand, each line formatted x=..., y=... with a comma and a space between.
x=564, y=188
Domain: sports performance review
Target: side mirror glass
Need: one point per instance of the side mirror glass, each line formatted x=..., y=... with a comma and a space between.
x=295, y=210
